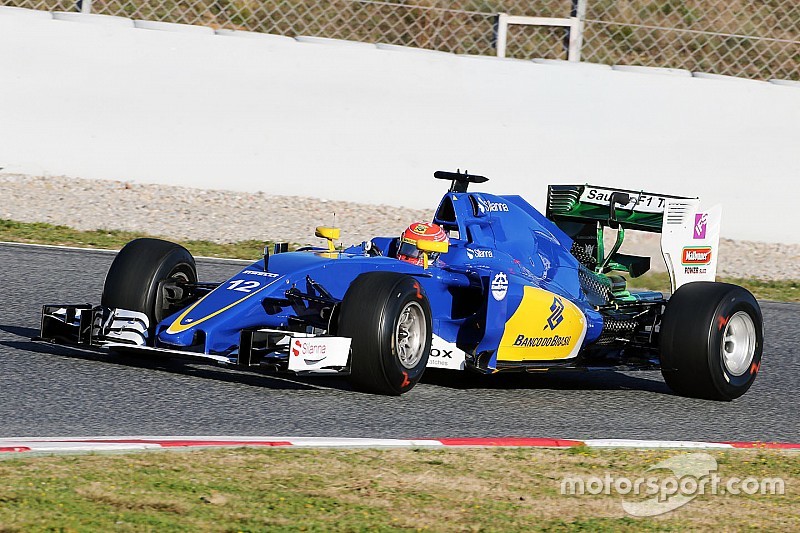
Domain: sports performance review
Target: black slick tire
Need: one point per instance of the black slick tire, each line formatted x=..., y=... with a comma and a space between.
x=133, y=280
x=711, y=341
x=374, y=311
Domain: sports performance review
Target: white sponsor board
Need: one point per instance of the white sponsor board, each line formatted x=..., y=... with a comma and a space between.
x=315, y=353
x=445, y=355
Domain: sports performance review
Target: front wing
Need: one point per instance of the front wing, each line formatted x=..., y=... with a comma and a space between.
x=126, y=331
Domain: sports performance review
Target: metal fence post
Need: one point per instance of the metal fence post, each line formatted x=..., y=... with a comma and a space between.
x=85, y=6
x=502, y=34
x=576, y=31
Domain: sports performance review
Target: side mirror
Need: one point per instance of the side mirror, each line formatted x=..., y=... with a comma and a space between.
x=431, y=247
x=328, y=233
x=428, y=247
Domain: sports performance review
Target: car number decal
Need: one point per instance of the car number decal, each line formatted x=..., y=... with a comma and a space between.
x=243, y=285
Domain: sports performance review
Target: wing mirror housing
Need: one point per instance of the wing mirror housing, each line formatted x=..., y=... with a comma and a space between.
x=329, y=234
x=429, y=247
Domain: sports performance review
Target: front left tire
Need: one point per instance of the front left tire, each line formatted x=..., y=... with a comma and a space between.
x=388, y=317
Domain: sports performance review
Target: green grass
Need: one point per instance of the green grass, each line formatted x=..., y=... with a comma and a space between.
x=42, y=233
x=369, y=490
x=777, y=290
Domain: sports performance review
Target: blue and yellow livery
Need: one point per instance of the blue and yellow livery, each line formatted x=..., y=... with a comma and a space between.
x=510, y=290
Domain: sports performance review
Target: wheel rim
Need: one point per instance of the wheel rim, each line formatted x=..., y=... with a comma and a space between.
x=177, y=273
x=739, y=343
x=410, y=334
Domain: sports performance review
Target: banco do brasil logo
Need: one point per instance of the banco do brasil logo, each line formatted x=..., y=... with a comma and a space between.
x=556, y=315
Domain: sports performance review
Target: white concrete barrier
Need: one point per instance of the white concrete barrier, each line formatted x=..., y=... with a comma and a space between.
x=11, y=11
x=370, y=124
x=169, y=26
x=91, y=18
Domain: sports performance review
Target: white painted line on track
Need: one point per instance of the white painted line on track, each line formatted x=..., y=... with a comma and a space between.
x=53, y=445
x=632, y=443
x=315, y=442
x=57, y=247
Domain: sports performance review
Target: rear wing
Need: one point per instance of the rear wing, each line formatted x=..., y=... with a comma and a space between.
x=643, y=211
x=689, y=235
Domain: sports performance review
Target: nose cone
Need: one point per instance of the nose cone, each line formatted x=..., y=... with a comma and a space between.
x=183, y=339
x=218, y=317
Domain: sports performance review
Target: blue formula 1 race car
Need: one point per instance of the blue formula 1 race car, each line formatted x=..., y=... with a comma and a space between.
x=489, y=285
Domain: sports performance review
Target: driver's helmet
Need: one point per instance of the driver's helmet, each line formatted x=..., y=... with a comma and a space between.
x=419, y=231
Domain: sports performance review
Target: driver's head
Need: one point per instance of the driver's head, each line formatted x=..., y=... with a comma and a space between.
x=419, y=231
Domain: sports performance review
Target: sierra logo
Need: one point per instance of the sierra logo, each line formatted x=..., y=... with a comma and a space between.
x=308, y=348
x=472, y=253
x=485, y=206
x=697, y=256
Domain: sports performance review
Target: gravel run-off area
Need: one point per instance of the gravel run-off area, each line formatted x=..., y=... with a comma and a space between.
x=226, y=216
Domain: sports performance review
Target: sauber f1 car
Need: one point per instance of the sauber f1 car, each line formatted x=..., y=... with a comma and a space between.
x=509, y=290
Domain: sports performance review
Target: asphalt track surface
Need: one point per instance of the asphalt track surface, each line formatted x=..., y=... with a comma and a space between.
x=49, y=390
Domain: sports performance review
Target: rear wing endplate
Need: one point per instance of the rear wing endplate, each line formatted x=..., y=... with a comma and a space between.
x=690, y=241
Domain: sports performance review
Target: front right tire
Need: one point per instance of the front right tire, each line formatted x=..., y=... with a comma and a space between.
x=133, y=280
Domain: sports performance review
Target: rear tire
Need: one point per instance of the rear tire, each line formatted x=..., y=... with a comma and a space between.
x=388, y=317
x=711, y=341
x=133, y=280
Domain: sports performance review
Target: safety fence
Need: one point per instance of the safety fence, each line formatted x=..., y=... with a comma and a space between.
x=749, y=38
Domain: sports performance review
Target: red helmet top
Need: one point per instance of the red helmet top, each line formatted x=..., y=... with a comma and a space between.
x=419, y=231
